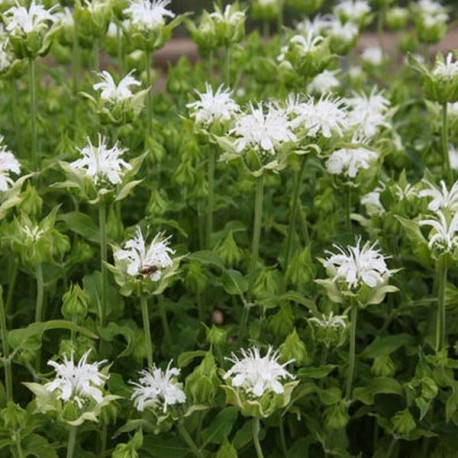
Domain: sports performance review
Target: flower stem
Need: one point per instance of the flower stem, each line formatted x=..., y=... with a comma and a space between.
x=96, y=51
x=257, y=445
x=380, y=23
x=211, y=194
x=33, y=112
x=348, y=210
x=147, y=331
x=40, y=294
x=11, y=285
x=6, y=350
x=71, y=441
x=391, y=447
x=165, y=325
x=227, y=66
x=444, y=138
x=351, y=356
x=149, y=109
x=103, y=258
x=120, y=49
x=280, y=19
x=442, y=268
x=189, y=441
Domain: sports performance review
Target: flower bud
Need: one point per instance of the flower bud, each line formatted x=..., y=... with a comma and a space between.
x=403, y=422
x=31, y=203
x=266, y=10
x=383, y=366
x=229, y=251
x=301, y=270
x=293, y=348
x=306, y=6
x=336, y=416
x=203, y=384
x=195, y=279
x=396, y=18
x=75, y=302
x=441, y=84
x=216, y=335
x=13, y=416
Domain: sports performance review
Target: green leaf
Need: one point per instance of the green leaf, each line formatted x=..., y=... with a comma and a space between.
x=220, y=427
x=384, y=346
x=207, y=257
x=126, y=190
x=158, y=447
x=227, y=450
x=234, y=282
x=316, y=372
x=187, y=357
x=81, y=224
x=112, y=330
x=379, y=385
x=35, y=445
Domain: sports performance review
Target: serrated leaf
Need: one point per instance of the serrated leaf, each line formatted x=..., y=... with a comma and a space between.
x=234, y=282
x=316, y=372
x=81, y=224
x=220, y=427
x=379, y=385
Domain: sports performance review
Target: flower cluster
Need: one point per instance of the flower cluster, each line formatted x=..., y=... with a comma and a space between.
x=8, y=164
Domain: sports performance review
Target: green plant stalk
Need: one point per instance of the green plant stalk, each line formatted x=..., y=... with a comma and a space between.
x=293, y=211
x=284, y=448
x=14, y=115
x=11, y=286
x=96, y=55
x=6, y=351
x=255, y=430
x=33, y=112
x=165, y=324
x=280, y=18
x=211, y=195
x=390, y=450
x=227, y=66
x=40, y=293
x=444, y=140
x=380, y=23
x=189, y=441
x=147, y=331
x=20, y=452
x=120, y=49
x=71, y=441
x=352, y=351
x=103, y=258
x=149, y=108
x=348, y=210
x=442, y=269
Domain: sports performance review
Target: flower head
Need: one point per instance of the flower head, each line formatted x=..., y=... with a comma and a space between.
x=36, y=18
x=158, y=389
x=262, y=130
x=149, y=262
x=101, y=163
x=112, y=92
x=444, y=233
x=373, y=55
x=442, y=199
x=148, y=14
x=371, y=201
x=349, y=161
x=8, y=163
x=330, y=321
x=354, y=10
x=213, y=106
x=446, y=70
x=355, y=265
x=257, y=375
x=324, y=82
x=230, y=15
x=80, y=383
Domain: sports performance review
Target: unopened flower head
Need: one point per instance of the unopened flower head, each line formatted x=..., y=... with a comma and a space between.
x=373, y=55
x=80, y=383
x=8, y=164
x=356, y=265
x=444, y=234
x=303, y=44
x=158, y=389
x=446, y=70
x=316, y=26
x=349, y=161
x=230, y=15
x=148, y=15
x=442, y=199
x=453, y=156
x=330, y=321
x=213, y=106
x=262, y=129
x=65, y=18
x=257, y=375
x=324, y=82
x=20, y=20
x=32, y=232
x=112, y=92
x=101, y=163
x=149, y=262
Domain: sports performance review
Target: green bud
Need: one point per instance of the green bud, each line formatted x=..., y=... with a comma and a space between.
x=70, y=411
x=441, y=84
x=13, y=416
x=195, y=280
x=294, y=348
x=266, y=11
x=229, y=251
x=404, y=422
x=336, y=416
x=203, y=384
x=306, y=6
x=31, y=203
x=383, y=366
x=203, y=34
x=216, y=335
x=301, y=270
x=396, y=18
x=267, y=282
x=129, y=450
x=158, y=202
x=282, y=323
x=75, y=302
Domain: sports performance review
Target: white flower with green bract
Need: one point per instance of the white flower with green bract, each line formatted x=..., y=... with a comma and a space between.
x=442, y=198
x=447, y=69
x=8, y=164
x=444, y=232
x=112, y=92
x=148, y=15
x=256, y=374
x=20, y=20
x=158, y=389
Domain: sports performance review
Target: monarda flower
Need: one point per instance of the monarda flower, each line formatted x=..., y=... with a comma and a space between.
x=20, y=20
x=148, y=15
x=444, y=234
x=8, y=164
x=442, y=198
x=112, y=92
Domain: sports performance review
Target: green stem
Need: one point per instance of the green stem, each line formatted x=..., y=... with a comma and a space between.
x=165, y=325
x=284, y=448
x=71, y=441
x=103, y=258
x=33, y=112
x=444, y=138
x=227, y=66
x=14, y=114
x=103, y=440
x=96, y=52
x=120, y=49
x=442, y=268
x=380, y=23
x=149, y=109
x=6, y=350
x=211, y=194
x=189, y=441
x=40, y=293
x=11, y=286
x=391, y=447
x=255, y=430
x=280, y=19
x=210, y=67
x=348, y=210
x=20, y=452
x=293, y=212
x=147, y=331
x=351, y=357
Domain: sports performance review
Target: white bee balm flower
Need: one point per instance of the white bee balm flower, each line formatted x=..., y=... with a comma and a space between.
x=373, y=55
x=148, y=262
x=8, y=164
x=444, y=233
x=102, y=163
x=330, y=321
x=442, y=199
x=229, y=16
x=324, y=82
x=147, y=14
x=255, y=374
x=112, y=92
x=355, y=10
x=349, y=161
x=79, y=383
x=446, y=70
x=356, y=265
x=213, y=106
x=158, y=389
x=19, y=20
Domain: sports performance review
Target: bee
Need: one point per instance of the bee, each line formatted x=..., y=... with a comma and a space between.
x=149, y=270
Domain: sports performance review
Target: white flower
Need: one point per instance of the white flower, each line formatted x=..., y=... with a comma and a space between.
x=356, y=265
x=112, y=92
x=328, y=116
x=346, y=32
x=446, y=70
x=148, y=14
x=452, y=109
x=349, y=161
x=430, y=7
x=355, y=71
x=78, y=383
x=371, y=201
x=368, y=113
x=355, y=10
x=5, y=57
x=442, y=199
x=316, y=26
x=373, y=55
x=255, y=374
x=147, y=262
x=324, y=82
x=303, y=44
x=260, y=130
x=102, y=163
x=33, y=232
x=330, y=321
x=213, y=107
x=230, y=15
x=8, y=163
x=158, y=389
x=453, y=156
x=19, y=20
x=65, y=18
x=444, y=233
x=409, y=192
